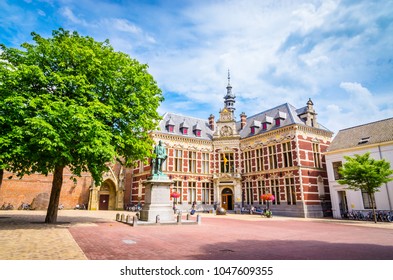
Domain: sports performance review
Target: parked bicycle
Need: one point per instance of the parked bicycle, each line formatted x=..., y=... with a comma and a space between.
x=366, y=215
x=24, y=206
x=134, y=207
x=8, y=206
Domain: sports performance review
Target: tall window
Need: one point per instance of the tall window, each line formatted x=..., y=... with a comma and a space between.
x=249, y=193
x=227, y=162
x=259, y=158
x=178, y=160
x=191, y=192
x=192, y=156
x=287, y=154
x=247, y=161
x=205, y=163
x=207, y=193
x=290, y=191
x=272, y=157
x=336, y=167
x=367, y=200
x=261, y=191
x=177, y=187
x=317, y=155
x=275, y=187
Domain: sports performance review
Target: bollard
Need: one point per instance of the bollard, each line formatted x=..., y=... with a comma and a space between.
x=128, y=219
x=199, y=219
x=117, y=217
x=157, y=219
x=137, y=215
x=188, y=217
x=179, y=219
x=122, y=217
x=134, y=221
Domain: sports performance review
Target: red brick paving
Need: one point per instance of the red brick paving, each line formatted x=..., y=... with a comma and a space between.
x=231, y=239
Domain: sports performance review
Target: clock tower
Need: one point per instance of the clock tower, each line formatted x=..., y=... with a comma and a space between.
x=226, y=147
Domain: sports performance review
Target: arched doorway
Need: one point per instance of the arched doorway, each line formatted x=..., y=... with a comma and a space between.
x=107, y=196
x=227, y=199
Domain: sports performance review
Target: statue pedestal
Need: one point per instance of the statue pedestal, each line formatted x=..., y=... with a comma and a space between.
x=157, y=200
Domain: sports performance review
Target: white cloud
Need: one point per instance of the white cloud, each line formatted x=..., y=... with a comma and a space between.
x=41, y=12
x=69, y=14
x=124, y=25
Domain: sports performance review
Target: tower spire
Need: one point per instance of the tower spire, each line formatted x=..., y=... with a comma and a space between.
x=229, y=98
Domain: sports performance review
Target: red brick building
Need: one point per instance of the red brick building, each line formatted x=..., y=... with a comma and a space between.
x=232, y=163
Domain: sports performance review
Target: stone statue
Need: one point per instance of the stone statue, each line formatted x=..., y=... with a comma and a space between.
x=159, y=159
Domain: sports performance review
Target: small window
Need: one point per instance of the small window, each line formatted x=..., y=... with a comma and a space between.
x=185, y=130
x=264, y=126
x=253, y=130
x=278, y=122
x=364, y=140
x=197, y=133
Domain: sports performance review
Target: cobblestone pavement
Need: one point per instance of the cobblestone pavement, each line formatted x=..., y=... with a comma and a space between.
x=95, y=235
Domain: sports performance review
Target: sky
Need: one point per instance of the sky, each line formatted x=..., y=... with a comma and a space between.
x=338, y=53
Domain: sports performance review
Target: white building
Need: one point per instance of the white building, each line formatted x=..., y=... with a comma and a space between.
x=375, y=138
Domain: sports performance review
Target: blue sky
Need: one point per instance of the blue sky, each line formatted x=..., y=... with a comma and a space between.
x=338, y=53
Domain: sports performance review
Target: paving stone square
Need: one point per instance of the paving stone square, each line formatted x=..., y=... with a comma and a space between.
x=96, y=235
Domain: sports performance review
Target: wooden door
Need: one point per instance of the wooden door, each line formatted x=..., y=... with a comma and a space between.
x=104, y=202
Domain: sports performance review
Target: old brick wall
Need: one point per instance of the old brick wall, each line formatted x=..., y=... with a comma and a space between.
x=35, y=189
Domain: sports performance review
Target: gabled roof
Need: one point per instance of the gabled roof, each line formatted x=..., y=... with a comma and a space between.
x=180, y=121
x=370, y=133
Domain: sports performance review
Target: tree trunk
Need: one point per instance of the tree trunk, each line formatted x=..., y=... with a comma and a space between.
x=373, y=207
x=51, y=214
x=1, y=176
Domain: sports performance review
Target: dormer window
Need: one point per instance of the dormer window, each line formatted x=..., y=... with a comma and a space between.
x=170, y=128
x=279, y=116
x=254, y=125
x=184, y=128
x=197, y=130
x=265, y=121
x=170, y=125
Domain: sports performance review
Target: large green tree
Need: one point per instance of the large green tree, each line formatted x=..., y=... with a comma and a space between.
x=361, y=172
x=70, y=101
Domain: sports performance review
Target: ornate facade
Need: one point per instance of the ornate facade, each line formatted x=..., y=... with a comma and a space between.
x=232, y=163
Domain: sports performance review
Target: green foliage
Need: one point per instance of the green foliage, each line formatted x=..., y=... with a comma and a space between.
x=71, y=101
x=364, y=173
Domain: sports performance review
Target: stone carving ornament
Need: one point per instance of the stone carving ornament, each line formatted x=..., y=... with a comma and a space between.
x=226, y=131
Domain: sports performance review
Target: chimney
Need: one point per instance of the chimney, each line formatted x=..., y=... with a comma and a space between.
x=211, y=122
x=243, y=120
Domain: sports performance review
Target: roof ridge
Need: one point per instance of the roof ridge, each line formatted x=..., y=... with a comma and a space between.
x=184, y=116
x=365, y=124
